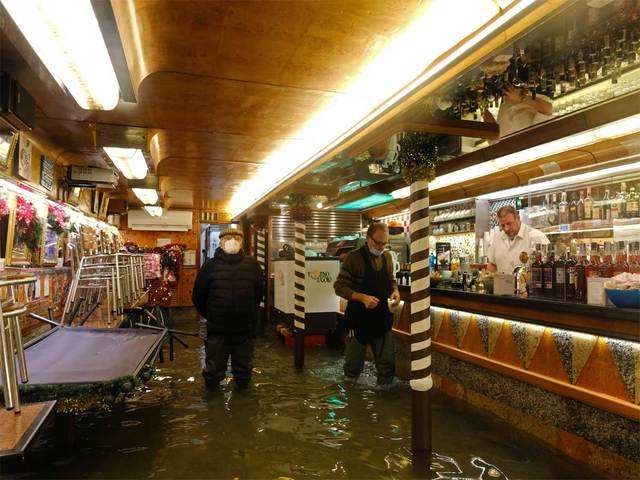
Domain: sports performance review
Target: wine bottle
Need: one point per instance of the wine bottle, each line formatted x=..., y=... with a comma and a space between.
x=581, y=206
x=547, y=274
x=559, y=274
x=537, y=288
x=588, y=205
x=633, y=204
x=563, y=210
x=573, y=209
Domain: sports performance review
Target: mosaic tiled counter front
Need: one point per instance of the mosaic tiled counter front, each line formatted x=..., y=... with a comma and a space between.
x=50, y=291
x=575, y=388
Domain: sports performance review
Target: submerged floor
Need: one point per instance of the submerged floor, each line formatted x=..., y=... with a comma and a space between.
x=289, y=424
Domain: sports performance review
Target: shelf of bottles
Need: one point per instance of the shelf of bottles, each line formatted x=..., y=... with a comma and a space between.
x=586, y=211
x=588, y=47
x=564, y=274
x=453, y=219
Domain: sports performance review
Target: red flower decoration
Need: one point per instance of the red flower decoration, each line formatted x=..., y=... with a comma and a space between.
x=4, y=206
x=25, y=212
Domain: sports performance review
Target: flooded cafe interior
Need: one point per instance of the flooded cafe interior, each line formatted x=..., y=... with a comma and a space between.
x=495, y=146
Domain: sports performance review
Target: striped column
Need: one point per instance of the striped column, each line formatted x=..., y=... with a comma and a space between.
x=260, y=254
x=299, y=294
x=421, y=381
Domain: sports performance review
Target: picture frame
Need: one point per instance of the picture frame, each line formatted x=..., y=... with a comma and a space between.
x=7, y=147
x=50, y=246
x=17, y=253
x=24, y=158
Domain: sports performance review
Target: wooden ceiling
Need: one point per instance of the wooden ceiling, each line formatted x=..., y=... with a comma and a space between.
x=219, y=84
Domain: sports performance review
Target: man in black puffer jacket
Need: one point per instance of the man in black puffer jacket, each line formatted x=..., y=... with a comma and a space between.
x=227, y=292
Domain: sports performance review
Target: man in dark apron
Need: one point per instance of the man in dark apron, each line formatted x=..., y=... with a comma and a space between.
x=367, y=282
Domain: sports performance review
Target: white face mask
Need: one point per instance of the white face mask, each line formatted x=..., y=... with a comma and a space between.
x=231, y=246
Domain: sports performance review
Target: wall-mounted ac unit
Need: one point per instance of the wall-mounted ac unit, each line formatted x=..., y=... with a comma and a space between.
x=170, y=221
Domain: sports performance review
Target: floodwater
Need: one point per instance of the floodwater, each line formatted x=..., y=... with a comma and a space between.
x=288, y=425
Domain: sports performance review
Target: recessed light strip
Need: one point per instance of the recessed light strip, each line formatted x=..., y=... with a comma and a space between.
x=441, y=26
x=68, y=40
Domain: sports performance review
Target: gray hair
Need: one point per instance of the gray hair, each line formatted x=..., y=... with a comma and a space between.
x=376, y=226
x=506, y=210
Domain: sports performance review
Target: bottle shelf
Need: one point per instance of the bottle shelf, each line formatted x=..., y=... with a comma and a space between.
x=588, y=226
x=453, y=219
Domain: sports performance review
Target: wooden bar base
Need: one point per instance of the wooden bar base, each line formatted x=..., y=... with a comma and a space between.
x=18, y=430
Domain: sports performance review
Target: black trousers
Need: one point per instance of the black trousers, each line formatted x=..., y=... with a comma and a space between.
x=217, y=353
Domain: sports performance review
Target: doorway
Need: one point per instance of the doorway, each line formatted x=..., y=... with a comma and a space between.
x=210, y=238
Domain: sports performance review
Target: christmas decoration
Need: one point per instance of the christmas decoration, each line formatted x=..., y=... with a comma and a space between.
x=418, y=156
x=28, y=226
x=299, y=208
x=57, y=219
x=260, y=222
x=4, y=206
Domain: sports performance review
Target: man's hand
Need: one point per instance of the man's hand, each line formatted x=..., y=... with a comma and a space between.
x=395, y=298
x=367, y=300
x=512, y=94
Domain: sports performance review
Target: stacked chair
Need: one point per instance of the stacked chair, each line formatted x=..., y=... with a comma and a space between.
x=112, y=280
x=11, y=349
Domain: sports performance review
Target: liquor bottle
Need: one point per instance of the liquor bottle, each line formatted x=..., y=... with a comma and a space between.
x=573, y=209
x=606, y=206
x=581, y=274
x=588, y=205
x=618, y=203
x=552, y=211
x=581, y=211
x=559, y=274
x=571, y=271
x=563, y=210
x=591, y=269
x=621, y=265
x=547, y=273
x=634, y=258
x=537, y=288
x=605, y=269
x=633, y=204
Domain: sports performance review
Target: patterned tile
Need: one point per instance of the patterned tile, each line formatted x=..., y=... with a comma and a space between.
x=527, y=338
x=490, y=329
x=436, y=322
x=626, y=356
x=460, y=324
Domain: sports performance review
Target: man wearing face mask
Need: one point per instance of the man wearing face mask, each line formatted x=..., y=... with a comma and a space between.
x=366, y=281
x=227, y=292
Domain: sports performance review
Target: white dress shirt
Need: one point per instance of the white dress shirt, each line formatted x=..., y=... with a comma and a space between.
x=513, y=117
x=504, y=252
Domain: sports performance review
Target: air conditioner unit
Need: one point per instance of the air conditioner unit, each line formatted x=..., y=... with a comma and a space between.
x=89, y=177
x=17, y=107
x=170, y=221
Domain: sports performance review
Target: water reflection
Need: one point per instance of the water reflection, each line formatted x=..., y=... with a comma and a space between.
x=289, y=424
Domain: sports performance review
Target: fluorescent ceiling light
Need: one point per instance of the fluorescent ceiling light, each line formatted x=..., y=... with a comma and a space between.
x=619, y=128
x=403, y=192
x=148, y=196
x=154, y=211
x=130, y=161
x=396, y=70
x=565, y=181
x=67, y=38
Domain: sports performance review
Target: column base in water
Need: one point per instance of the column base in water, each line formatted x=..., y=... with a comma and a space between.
x=421, y=432
x=298, y=346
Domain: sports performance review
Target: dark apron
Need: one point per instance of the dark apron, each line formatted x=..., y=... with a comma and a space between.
x=369, y=324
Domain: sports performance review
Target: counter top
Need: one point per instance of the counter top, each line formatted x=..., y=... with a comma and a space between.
x=597, y=320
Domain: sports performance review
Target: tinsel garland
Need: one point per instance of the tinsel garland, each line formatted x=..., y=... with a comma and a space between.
x=418, y=156
x=260, y=222
x=299, y=208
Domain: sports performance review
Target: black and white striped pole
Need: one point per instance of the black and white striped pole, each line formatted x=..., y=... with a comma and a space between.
x=418, y=158
x=421, y=381
x=299, y=293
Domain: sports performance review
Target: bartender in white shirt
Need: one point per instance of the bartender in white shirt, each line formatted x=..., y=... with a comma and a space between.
x=513, y=238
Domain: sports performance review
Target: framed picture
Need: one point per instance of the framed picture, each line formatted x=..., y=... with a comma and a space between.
x=50, y=248
x=104, y=205
x=74, y=195
x=24, y=157
x=7, y=145
x=17, y=250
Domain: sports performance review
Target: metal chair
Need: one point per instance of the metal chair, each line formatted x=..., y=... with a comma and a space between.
x=11, y=348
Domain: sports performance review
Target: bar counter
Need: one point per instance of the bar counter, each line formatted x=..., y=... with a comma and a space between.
x=540, y=364
x=610, y=322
